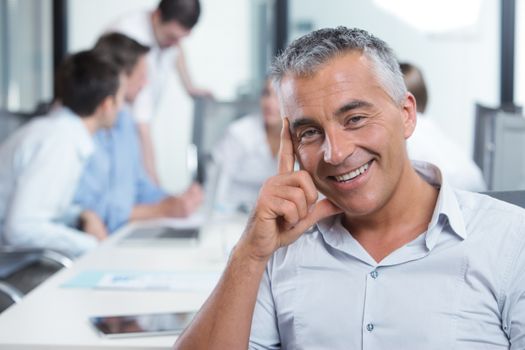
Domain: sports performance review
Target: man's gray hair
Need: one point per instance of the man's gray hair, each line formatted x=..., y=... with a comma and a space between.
x=306, y=54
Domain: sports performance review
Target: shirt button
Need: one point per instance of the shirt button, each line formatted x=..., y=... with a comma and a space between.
x=374, y=274
x=370, y=327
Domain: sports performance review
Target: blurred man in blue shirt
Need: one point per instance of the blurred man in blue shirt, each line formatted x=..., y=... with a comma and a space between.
x=115, y=184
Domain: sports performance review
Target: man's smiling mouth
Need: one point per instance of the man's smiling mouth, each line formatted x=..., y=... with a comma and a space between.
x=352, y=174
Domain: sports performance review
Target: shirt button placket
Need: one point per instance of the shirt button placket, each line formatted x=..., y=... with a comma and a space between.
x=369, y=309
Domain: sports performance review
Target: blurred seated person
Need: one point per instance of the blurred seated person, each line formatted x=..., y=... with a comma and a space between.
x=247, y=155
x=115, y=184
x=429, y=143
x=43, y=160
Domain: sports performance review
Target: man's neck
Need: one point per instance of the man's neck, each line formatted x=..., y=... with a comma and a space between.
x=91, y=123
x=405, y=216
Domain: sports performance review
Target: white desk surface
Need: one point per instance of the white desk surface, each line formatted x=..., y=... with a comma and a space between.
x=54, y=317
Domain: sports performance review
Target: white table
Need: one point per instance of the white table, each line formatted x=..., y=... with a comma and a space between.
x=54, y=317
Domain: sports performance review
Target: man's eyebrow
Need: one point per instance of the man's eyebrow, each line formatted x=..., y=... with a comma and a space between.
x=352, y=105
x=297, y=123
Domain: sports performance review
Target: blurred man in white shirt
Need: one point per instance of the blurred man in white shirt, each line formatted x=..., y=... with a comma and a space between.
x=163, y=31
x=42, y=161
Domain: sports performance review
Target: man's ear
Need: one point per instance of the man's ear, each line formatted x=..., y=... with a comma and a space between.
x=156, y=17
x=105, y=105
x=409, y=110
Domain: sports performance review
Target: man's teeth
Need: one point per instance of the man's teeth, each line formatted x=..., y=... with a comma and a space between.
x=352, y=174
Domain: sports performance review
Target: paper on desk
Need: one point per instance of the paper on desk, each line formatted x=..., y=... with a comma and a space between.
x=145, y=280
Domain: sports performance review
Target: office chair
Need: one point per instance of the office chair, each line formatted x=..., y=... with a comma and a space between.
x=9, y=295
x=10, y=121
x=21, y=270
x=499, y=141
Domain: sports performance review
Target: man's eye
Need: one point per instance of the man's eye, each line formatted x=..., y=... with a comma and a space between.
x=355, y=120
x=308, y=134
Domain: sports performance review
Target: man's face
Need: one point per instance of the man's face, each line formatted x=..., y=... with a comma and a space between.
x=169, y=33
x=137, y=79
x=116, y=102
x=348, y=133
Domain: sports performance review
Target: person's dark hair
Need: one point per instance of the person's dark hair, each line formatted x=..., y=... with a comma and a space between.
x=123, y=50
x=308, y=53
x=185, y=12
x=85, y=79
x=415, y=83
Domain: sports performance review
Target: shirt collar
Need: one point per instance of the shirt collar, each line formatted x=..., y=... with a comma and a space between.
x=83, y=139
x=447, y=210
x=447, y=207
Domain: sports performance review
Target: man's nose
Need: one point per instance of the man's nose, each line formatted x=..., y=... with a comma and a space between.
x=337, y=146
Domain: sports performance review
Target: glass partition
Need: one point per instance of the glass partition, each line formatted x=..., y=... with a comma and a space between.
x=25, y=53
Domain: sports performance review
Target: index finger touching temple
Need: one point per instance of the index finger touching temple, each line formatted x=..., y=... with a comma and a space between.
x=286, y=153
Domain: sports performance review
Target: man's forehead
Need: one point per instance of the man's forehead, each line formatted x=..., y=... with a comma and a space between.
x=299, y=94
x=334, y=74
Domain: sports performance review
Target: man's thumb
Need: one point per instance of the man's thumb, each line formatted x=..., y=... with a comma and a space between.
x=323, y=209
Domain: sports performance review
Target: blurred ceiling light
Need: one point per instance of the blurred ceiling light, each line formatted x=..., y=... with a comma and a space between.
x=434, y=16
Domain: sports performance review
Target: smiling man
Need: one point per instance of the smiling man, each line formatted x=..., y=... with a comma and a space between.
x=392, y=257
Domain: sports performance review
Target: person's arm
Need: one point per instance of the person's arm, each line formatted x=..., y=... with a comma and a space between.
x=171, y=206
x=41, y=194
x=148, y=152
x=182, y=69
x=286, y=207
x=91, y=224
x=147, y=192
x=93, y=193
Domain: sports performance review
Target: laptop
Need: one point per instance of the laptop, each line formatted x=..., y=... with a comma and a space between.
x=164, y=232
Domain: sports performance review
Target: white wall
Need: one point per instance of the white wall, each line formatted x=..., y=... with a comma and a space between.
x=218, y=54
x=460, y=68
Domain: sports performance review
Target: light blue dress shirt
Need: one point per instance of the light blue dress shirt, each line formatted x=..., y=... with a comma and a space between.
x=40, y=167
x=459, y=285
x=114, y=179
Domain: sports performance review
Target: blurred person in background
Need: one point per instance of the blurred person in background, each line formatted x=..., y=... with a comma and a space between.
x=163, y=31
x=115, y=184
x=43, y=161
x=430, y=144
x=247, y=154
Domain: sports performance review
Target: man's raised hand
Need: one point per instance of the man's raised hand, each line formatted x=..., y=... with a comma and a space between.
x=287, y=205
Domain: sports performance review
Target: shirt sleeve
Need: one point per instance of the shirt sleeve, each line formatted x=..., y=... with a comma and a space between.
x=93, y=187
x=147, y=191
x=41, y=199
x=514, y=305
x=264, y=333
